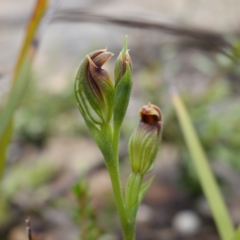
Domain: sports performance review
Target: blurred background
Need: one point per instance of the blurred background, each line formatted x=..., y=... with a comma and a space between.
x=52, y=149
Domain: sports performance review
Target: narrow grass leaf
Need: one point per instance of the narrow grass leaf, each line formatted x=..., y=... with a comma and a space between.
x=4, y=141
x=206, y=177
x=236, y=235
x=30, y=33
x=16, y=95
x=6, y=133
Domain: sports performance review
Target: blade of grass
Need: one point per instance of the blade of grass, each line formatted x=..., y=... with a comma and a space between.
x=4, y=141
x=26, y=58
x=16, y=95
x=236, y=234
x=206, y=177
x=18, y=89
x=31, y=30
x=6, y=130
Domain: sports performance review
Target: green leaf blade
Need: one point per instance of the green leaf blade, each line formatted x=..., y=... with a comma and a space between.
x=206, y=177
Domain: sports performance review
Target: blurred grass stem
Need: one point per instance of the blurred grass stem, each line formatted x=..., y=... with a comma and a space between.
x=206, y=177
x=236, y=235
x=21, y=73
x=21, y=77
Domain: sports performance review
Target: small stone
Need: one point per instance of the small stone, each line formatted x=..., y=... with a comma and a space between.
x=187, y=222
x=145, y=214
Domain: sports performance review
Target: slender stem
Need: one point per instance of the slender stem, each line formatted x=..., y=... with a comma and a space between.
x=116, y=135
x=128, y=230
x=113, y=169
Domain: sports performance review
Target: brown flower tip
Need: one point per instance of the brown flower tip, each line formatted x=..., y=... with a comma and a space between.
x=101, y=58
x=96, y=75
x=150, y=114
x=123, y=60
x=127, y=58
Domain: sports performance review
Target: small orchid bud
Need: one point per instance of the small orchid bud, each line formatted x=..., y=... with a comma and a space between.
x=123, y=85
x=93, y=88
x=121, y=64
x=145, y=140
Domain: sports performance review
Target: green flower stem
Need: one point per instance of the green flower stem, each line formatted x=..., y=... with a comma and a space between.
x=116, y=136
x=113, y=169
x=128, y=229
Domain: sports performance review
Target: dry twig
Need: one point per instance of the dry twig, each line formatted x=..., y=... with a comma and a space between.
x=210, y=39
x=28, y=229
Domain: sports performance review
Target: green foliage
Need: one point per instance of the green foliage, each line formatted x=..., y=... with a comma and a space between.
x=102, y=141
x=20, y=80
x=85, y=215
x=40, y=117
x=133, y=188
x=31, y=176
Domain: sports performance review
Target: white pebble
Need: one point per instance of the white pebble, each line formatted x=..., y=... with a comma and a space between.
x=186, y=222
x=144, y=214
